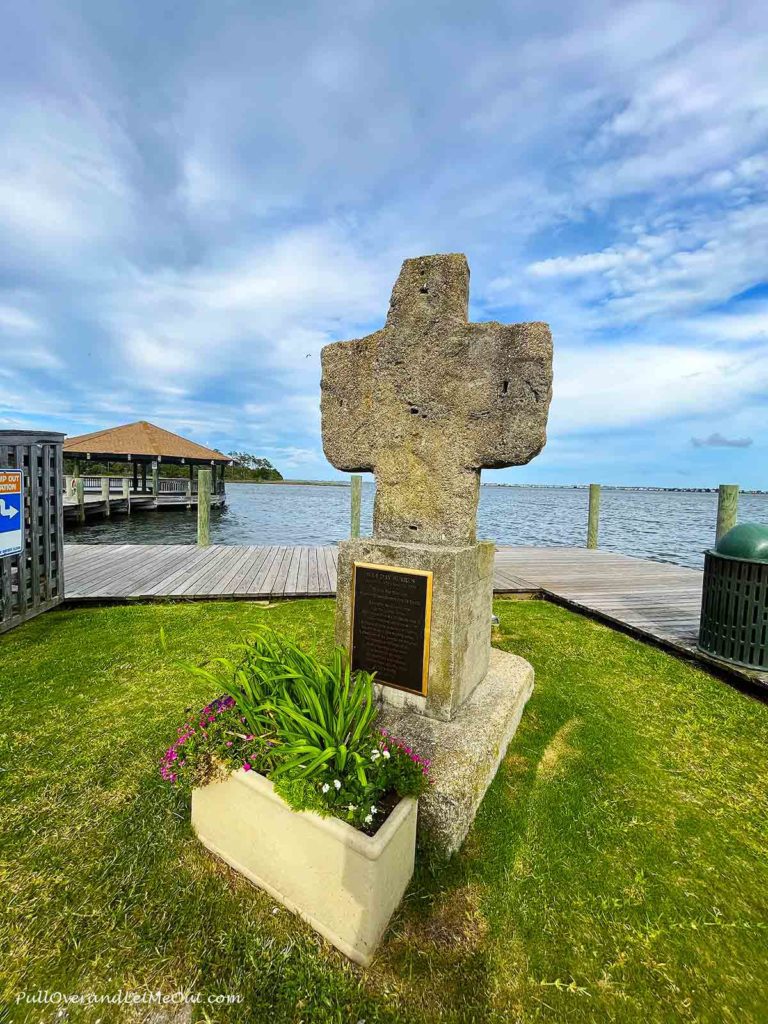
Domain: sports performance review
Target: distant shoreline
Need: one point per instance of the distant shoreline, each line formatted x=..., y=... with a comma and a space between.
x=292, y=483
x=543, y=487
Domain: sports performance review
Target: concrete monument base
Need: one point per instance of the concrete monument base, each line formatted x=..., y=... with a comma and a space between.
x=460, y=626
x=466, y=751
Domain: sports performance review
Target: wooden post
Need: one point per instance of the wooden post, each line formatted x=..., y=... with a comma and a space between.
x=135, y=477
x=357, y=489
x=80, y=495
x=727, y=509
x=127, y=494
x=76, y=468
x=105, y=495
x=593, y=523
x=156, y=482
x=204, y=507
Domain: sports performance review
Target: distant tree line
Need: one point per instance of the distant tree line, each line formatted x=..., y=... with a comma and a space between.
x=251, y=467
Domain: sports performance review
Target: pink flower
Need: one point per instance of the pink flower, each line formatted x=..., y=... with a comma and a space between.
x=246, y=767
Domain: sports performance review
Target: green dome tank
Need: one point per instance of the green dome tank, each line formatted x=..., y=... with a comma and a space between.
x=748, y=541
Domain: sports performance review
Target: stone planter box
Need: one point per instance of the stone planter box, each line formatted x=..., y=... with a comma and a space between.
x=342, y=882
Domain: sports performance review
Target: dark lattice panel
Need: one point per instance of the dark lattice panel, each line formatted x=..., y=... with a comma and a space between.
x=33, y=581
x=734, y=611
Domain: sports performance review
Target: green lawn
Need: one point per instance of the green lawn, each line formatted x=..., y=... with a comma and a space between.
x=616, y=872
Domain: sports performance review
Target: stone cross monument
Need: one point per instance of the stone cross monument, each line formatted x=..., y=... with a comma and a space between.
x=425, y=404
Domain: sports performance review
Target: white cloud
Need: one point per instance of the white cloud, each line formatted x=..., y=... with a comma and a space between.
x=629, y=385
x=674, y=266
x=578, y=266
x=63, y=180
x=16, y=321
x=269, y=309
x=749, y=324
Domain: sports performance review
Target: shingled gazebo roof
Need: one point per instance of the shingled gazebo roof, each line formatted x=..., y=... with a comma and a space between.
x=140, y=440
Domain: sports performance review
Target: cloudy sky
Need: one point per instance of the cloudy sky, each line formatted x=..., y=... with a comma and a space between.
x=196, y=197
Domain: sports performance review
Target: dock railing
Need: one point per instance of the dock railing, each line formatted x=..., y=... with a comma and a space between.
x=165, y=485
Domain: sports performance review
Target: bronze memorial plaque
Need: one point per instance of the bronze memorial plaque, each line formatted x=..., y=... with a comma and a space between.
x=391, y=611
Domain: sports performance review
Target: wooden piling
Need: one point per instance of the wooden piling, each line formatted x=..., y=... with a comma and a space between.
x=727, y=509
x=80, y=496
x=357, y=491
x=127, y=494
x=593, y=522
x=204, y=507
x=156, y=482
x=105, y=495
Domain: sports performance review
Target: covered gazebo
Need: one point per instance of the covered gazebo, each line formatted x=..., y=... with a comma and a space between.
x=146, y=447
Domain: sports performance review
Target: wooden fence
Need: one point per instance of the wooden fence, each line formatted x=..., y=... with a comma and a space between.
x=33, y=581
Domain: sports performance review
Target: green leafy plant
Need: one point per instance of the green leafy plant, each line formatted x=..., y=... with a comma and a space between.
x=313, y=727
x=324, y=719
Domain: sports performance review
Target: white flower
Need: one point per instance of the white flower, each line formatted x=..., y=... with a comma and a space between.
x=368, y=819
x=374, y=810
x=386, y=755
x=351, y=807
x=337, y=784
x=375, y=755
x=326, y=787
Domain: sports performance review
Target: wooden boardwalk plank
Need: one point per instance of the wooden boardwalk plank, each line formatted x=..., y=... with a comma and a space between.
x=302, y=580
x=281, y=577
x=313, y=586
x=247, y=570
x=323, y=579
x=268, y=585
x=255, y=583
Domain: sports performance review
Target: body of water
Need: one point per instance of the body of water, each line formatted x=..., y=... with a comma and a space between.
x=664, y=526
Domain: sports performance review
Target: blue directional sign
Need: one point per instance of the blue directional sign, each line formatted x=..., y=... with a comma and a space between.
x=11, y=512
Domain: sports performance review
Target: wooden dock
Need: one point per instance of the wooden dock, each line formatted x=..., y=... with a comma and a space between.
x=654, y=601
x=146, y=572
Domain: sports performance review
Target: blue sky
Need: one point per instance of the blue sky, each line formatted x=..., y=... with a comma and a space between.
x=196, y=197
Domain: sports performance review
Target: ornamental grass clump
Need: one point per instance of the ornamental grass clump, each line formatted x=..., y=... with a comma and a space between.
x=306, y=725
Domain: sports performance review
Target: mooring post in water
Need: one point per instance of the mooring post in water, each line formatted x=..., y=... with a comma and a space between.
x=105, y=494
x=727, y=509
x=357, y=490
x=204, y=507
x=127, y=494
x=593, y=522
x=80, y=495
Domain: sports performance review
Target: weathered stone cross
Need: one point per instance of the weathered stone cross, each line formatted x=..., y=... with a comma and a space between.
x=430, y=400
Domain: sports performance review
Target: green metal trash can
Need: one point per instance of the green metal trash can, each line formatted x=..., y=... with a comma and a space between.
x=734, y=605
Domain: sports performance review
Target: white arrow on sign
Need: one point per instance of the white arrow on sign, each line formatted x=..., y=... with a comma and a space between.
x=9, y=511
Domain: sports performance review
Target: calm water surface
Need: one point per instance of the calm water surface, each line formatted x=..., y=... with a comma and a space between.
x=664, y=526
